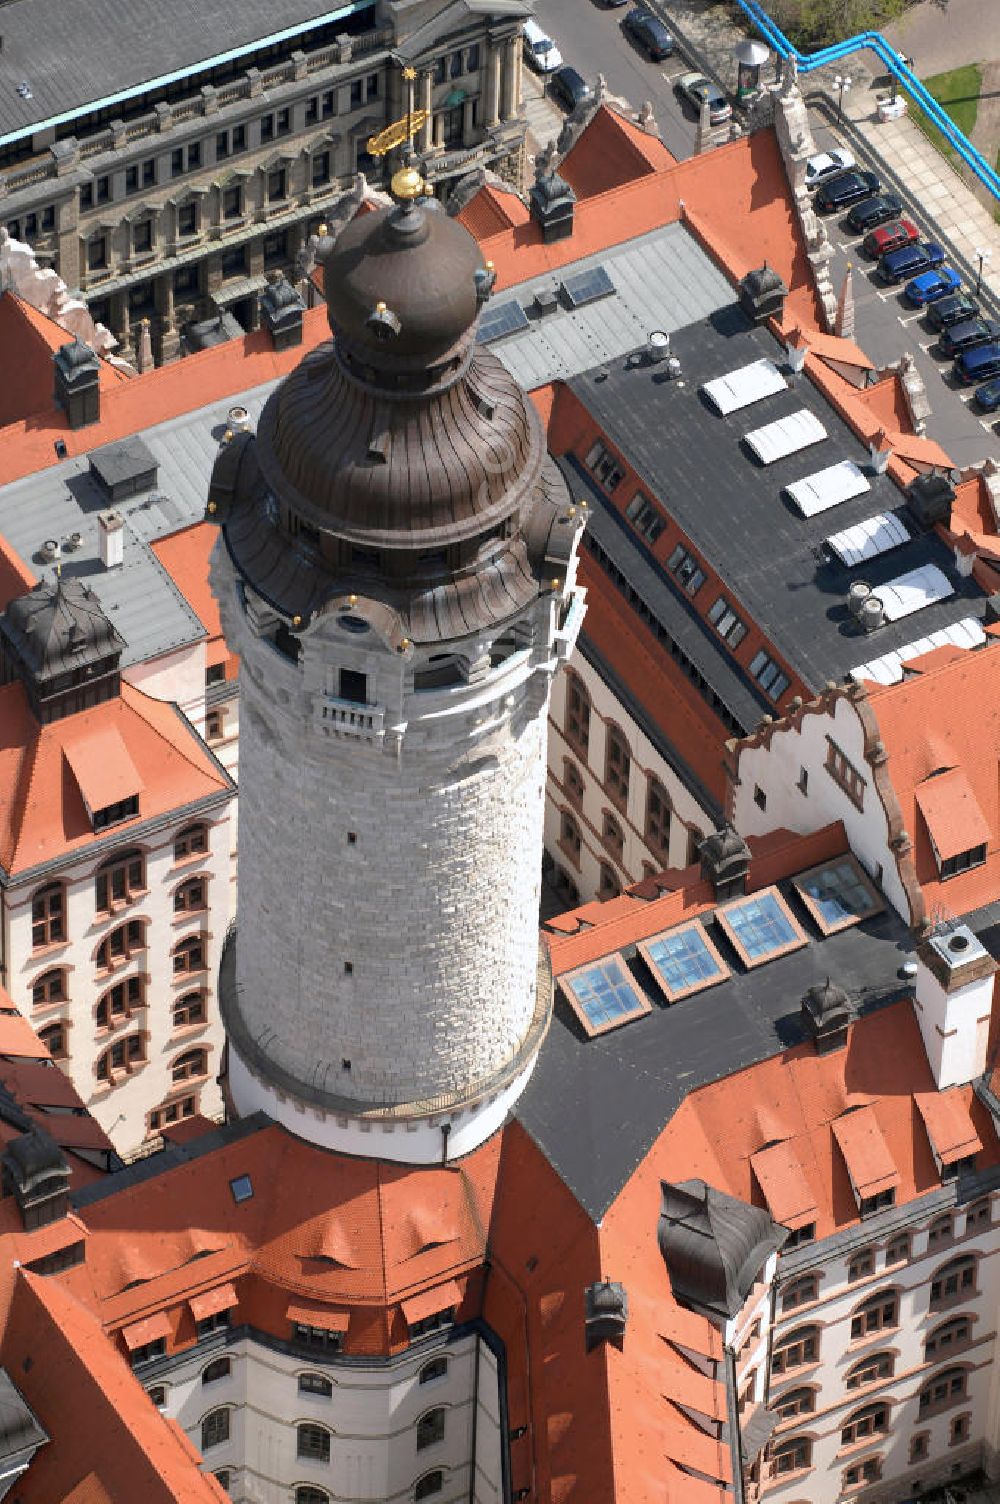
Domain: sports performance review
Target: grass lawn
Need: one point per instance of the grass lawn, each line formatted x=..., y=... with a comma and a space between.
x=957, y=93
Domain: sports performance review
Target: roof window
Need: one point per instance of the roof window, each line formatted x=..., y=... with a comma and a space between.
x=242, y=1188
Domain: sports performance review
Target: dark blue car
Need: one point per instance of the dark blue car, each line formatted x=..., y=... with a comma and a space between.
x=988, y=395
x=910, y=260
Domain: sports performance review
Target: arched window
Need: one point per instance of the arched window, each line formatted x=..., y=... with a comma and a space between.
x=430, y=1428
x=315, y=1383
x=572, y=781
x=437, y=1368
x=119, y=881
x=570, y=839
x=979, y=1215
x=799, y=1292
x=214, y=1428
x=53, y=1037
x=577, y=714
x=948, y=1336
x=791, y=1455
x=876, y=1314
x=946, y=1388
x=190, y=1010
x=954, y=1281
x=121, y=944
x=897, y=1250
x=313, y=1442
x=308, y=1493
x=121, y=1058
x=219, y=1368
x=191, y=896
x=120, y=1001
x=48, y=916
x=191, y=841
x=189, y=1065
x=657, y=816
x=870, y=1420
x=795, y=1402
x=610, y=886
x=188, y=955
x=799, y=1347
x=869, y=1369
x=50, y=987
x=612, y=835
x=617, y=765
x=940, y=1231
x=429, y=1485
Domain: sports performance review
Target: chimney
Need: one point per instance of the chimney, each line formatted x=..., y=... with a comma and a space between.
x=35, y=1170
x=953, y=1000
x=605, y=1313
x=281, y=311
x=111, y=539
x=762, y=295
x=826, y=1013
x=77, y=371
x=551, y=201
x=930, y=499
x=725, y=862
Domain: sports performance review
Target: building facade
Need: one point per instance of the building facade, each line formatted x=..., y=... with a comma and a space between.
x=171, y=201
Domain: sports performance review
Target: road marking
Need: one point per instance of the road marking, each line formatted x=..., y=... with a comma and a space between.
x=987, y=424
x=911, y=318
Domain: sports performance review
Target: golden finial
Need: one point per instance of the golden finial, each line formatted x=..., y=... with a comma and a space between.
x=380, y=306
x=571, y=512
x=227, y=437
x=213, y=507
x=352, y=600
x=555, y=584
x=322, y=232
x=296, y=621
x=409, y=74
x=404, y=643
x=407, y=184
x=490, y=267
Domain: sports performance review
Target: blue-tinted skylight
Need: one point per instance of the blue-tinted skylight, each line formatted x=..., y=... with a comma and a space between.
x=242, y=1188
x=837, y=894
x=603, y=995
x=760, y=927
x=684, y=961
x=499, y=320
x=587, y=287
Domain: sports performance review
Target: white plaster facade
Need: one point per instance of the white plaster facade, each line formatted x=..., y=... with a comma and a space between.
x=689, y=820
x=122, y=1102
x=371, y=1417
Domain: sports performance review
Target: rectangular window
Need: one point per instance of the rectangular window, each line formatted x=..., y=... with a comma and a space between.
x=687, y=569
x=132, y=179
x=267, y=127
x=329, y=103
x=194, y=155
x=48, y=219
x=768, y=675
x=371, y=87
x=860, y=1265
x=142, y=236
x=86, y=195
x=103, y=190
x=844, y=773
x=320, y=169
x=232, y=203
x=187, y=219
x=357, y=94
x=113, y=814
x=604, y=468
x=953, y=865
x=275, y=249
x=177, y=162
x=727, y=623
x=186, y=281
x=222, y=146
x=312, y=110
x=878, y=1203
x=239, y=138
x=472, y=59
x=149, y=173
x=283, y=122
x=97, y=253
x=645, y=517
x=276, y=182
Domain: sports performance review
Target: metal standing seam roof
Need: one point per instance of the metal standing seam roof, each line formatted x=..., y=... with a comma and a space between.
x=71, y=68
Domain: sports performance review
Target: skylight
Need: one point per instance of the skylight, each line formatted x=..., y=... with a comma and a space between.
x=587, y=287
x=888, y=669
x=868, y=539
x=837, y=894
x=242, y=1188
x=913, y=591
x=744, y=387
x=775, y=441
x=499, y=320
x=684, y=961
x=828, y=488
x=603, y=995
x=760, y=927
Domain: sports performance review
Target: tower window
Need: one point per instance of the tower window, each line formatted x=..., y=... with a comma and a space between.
x=354, y=686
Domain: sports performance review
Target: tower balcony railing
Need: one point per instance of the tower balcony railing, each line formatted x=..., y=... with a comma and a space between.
x=350, y=718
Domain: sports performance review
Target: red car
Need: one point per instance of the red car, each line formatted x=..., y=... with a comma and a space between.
x=890, y=237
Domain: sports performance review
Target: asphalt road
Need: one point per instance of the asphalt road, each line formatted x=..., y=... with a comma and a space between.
x=590, y=37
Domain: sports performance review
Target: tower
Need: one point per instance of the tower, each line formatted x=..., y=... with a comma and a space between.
x=397, y=573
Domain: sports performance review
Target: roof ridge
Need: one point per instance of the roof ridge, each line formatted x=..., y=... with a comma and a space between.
x=128, y=691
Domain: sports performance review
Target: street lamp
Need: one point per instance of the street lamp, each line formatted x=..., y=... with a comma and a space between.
x=984, y=255
x=841, y=83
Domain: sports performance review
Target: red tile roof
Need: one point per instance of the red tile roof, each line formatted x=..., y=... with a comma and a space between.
x=947, y=1117
x=866, y=1153
x=29, y=339
x=185, y=555
x=612, y=151
x=951, y=813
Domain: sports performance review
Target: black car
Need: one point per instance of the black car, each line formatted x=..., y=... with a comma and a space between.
x=845, y=189
x=650, y=33
x=872, y=212
x=953, y=309
x=967, y=335
x=569, y=87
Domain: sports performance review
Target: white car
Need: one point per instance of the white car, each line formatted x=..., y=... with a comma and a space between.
x=826, y=164
x=540, y=50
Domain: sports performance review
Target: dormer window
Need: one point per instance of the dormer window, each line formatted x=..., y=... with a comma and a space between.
x=114, y=814
x=975, y=857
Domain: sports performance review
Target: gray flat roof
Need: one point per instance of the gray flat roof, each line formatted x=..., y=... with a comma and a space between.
x=595, y=1106
x=733, y=510
x=80, y=58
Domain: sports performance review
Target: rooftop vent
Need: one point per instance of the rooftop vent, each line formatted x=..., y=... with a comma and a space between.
x=930, y=499
x=762, y=295
x=77, y=374
x=35, y=1170
x=124, y=469
x=281, y=311
x=865, y=606
x=605, y=1313
x=826, y=1013
x=111, y=539
x=725, y=862
x=546, y=301
x=551, y=201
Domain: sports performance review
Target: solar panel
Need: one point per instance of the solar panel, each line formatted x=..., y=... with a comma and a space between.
x=684, y=961
x=587, y=287
x=603, y=995
x=868, y=539
x=837, y=894
x=499, y=320
x=761, y=927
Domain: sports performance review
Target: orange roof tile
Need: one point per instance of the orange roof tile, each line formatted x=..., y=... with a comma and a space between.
x=952, y=813
x=609, y=152
x=790, y=1198
x=491, y=211
x=105, y=774
x=949, y=1124
x=29, y=339
x=185, y=555
x=866, y=1154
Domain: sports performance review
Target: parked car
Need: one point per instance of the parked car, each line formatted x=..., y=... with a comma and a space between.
x=540, y=50
x=987, y=396
x=649, y=32
x=826, y=164
x=846, y=188
x=890, y=237
x=967, y=335
x=874, y=211
x=695, y=87
x=569, y=87
x=613, y=4
x=909, y=261
x=951, y=309
x=932, y=285
x=980, y=364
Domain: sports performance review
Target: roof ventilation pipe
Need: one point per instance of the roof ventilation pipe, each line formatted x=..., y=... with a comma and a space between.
x=872, y=613
x=111, y=539
x=857, y=595
x=658, y=345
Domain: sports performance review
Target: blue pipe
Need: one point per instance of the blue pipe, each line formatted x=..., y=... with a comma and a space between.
x=771, y=33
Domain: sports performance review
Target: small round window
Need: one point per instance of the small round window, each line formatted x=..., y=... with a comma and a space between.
x=353, y=623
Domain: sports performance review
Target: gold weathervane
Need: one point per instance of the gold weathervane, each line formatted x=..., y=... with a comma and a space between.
x=400, y=131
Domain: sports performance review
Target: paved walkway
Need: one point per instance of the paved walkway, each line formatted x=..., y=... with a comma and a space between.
x=943, y=34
